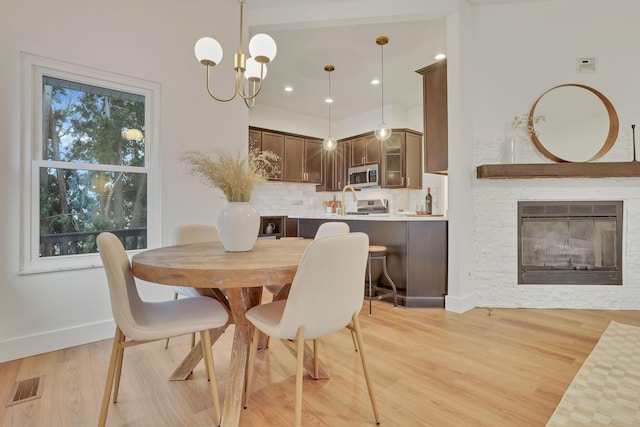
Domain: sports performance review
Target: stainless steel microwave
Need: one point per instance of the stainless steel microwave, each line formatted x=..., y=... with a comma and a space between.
x=364, y=176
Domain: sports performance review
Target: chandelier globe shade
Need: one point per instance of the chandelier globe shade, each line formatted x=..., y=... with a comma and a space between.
x=253, y=70
x=263, y=48
x=383, y=131
x=249, y=72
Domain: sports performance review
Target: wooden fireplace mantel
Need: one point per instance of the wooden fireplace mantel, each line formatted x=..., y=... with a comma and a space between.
x=559, y=170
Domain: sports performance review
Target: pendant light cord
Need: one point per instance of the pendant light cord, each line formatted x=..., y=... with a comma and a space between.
x=382, y=81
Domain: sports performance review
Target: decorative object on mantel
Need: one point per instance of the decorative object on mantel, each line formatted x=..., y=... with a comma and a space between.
x=519, y=131
x=581, y=124
x=575, y=116
x=235, y=175
x=633, y=131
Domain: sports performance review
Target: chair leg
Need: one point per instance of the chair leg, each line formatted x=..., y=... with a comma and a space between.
x=205, y=342
x=299, y=374
x=110, y=375
x=353, y=337
x=166, y=344
x=356, y=327
x=193, y=340
x=116, y=387
x=251, y=364
x=370, y=291
x=315, y=359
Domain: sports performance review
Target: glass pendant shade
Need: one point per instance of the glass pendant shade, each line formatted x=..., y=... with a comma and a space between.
x=263, y=48
x=253, y=70
x=329, y=143
x=383, y=132
x=208, y=51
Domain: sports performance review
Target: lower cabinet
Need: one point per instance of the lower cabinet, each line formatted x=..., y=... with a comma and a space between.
x=276, y=227
x=416, y=255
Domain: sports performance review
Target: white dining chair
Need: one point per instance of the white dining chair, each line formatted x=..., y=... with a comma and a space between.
x=335, y=264
x=139, y=322
x=332, y=228
x=191, y=233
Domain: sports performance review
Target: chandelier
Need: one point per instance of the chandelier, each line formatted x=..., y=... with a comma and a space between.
x=249, y=72
x=329, y=143
x=382, y=132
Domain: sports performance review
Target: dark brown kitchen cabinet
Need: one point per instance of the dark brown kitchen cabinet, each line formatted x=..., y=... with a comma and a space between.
x=334, y=169
x=365, y=149
x=416, y=259
x=436, y=138
x=303, y=159
x=274, y=142
x=402, y=160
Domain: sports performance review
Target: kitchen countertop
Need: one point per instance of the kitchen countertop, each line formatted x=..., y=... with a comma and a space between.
x=407, y=216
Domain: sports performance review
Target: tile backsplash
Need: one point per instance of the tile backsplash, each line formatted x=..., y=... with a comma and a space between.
x=279, y=198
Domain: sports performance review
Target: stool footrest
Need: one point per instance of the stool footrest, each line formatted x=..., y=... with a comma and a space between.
x=385, y=292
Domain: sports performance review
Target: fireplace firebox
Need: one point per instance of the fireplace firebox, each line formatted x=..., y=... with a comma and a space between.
x=570, y=242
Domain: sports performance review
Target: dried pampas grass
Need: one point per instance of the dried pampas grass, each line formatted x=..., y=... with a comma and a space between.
x=235, y=174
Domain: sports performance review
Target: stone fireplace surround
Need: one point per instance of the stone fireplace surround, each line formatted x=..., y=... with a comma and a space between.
x=495, y=276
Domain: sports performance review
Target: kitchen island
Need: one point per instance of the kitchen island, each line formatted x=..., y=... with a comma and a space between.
x=416, y=256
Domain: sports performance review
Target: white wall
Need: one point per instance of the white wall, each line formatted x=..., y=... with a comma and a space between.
x=144, y=39
x=520, y=51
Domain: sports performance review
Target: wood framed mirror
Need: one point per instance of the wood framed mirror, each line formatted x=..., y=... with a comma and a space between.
x=579, y=123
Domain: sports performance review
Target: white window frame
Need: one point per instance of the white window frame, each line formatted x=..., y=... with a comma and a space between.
x=33, y=68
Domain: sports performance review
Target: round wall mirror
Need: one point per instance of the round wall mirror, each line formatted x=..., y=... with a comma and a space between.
x=578, y=123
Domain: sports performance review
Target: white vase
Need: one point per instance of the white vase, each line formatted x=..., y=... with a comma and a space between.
x=238, y=225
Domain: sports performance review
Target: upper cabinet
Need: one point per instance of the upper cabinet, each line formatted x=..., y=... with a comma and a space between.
x=300, y=157
x=365, y=150
x=402, y=160
x=434, y=81
x=274, y=142
x=303, y=159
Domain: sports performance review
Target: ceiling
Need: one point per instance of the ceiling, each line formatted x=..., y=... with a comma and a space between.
x=349, y=45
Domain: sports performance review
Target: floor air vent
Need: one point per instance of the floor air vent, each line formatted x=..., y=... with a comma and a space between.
x=26, y=390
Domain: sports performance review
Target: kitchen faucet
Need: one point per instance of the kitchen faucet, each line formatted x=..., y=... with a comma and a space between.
x=343, y=209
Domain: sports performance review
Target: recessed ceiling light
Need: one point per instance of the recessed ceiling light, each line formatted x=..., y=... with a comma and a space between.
x=288, y=89
x=440, y=56
x=375, y=82
x=329, y=100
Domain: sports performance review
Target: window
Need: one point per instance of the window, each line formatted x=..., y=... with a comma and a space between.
x=90, y=164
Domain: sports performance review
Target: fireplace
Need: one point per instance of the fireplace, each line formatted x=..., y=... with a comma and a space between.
x=570, y=242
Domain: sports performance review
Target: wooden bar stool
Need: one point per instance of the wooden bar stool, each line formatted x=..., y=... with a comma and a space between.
x=379, y=253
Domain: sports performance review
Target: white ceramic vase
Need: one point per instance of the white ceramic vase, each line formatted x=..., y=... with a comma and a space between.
x=238, y=225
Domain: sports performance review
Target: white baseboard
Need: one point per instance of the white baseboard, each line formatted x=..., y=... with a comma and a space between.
x=31, y=345
x=459, y=305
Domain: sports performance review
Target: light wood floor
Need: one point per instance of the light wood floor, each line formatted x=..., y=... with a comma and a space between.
x=431, y=368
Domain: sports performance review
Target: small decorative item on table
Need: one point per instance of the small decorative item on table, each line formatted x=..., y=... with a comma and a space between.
x=235, y=175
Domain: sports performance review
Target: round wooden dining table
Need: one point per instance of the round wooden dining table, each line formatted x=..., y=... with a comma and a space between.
x=242, y=275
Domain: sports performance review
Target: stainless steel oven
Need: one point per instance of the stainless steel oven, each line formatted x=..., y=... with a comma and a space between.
x=364, y=176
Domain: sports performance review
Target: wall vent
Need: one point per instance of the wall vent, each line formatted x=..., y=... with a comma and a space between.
x=26, y=390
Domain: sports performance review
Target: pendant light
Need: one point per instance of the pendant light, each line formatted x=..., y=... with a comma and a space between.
x=329, y=143
x=382, y=132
